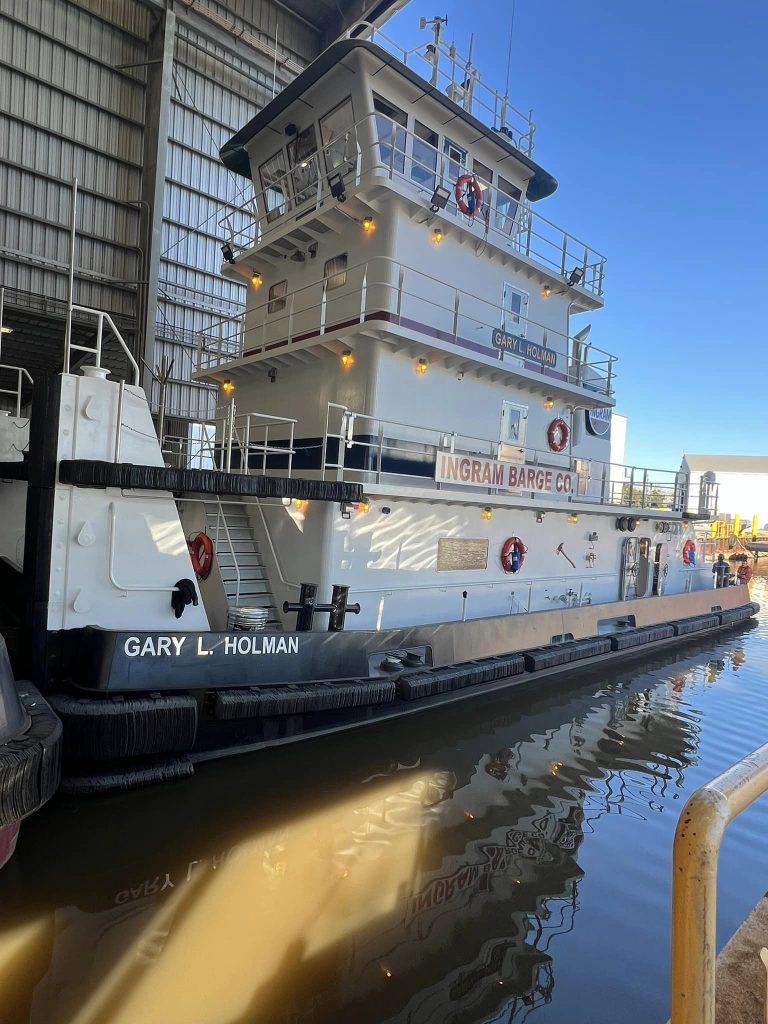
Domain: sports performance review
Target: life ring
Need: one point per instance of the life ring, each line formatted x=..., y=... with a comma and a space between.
x=744, y=573
x=689, y=553
x=469, y=195
x=557, y=435
x=201, y=553
x=513, y=554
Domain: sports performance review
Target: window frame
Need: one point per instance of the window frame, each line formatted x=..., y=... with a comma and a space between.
x=276, y=302
x=335, y=277
x=346, y=160
x=280, y=209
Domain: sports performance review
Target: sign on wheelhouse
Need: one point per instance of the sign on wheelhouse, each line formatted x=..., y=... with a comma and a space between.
x=504, y=476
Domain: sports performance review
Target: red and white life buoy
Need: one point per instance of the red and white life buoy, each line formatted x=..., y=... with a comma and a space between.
x=469, y=195
x=744, y=573
x=513, y=554
x=201, y=553
x=557, y=435
x=689, y=553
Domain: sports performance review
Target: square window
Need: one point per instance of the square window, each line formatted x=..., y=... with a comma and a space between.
x=335, y=272
x=277, y=294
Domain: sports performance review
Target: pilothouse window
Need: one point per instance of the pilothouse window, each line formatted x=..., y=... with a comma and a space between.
x=338, y=137
x=507, y=201
x=424, y=163
x=390, y=129
x=273, y=177
x=303, y=156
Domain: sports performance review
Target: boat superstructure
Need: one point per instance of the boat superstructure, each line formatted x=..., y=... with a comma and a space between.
x=406, y=493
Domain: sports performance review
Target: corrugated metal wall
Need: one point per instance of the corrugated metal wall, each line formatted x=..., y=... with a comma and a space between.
x=67, y=110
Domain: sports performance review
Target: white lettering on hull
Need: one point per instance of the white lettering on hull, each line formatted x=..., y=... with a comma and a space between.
x=242, y=644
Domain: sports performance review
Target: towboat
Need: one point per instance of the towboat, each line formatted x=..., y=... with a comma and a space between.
x=405, y=494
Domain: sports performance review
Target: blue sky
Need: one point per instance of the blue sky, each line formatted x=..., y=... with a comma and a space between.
x=652, y=116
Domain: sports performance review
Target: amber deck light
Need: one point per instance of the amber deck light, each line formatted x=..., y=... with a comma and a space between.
x=227, y=387
x=347, y=358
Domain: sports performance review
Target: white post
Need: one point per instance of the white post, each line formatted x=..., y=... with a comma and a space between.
x=71, y=278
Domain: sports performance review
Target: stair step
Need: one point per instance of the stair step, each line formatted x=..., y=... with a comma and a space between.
x=251, y=560
x=251, y=572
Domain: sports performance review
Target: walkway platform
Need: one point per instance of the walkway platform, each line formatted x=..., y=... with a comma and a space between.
x=741, y=975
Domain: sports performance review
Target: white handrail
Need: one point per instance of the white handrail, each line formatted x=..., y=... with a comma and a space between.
x=101, y=317
x=588, y=367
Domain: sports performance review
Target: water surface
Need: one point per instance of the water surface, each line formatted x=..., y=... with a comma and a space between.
x=505, y=859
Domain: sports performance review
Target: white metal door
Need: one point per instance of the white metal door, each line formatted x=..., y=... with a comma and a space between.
x=514, y=421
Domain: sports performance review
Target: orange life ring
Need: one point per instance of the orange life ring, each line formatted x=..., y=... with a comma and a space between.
x=469, y=204
x=744, y=573
x=201, y=553
x=689, y=553
x=513, y=554
x=557, y=435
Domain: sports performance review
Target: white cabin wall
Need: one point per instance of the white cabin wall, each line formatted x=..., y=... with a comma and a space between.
x=389, y=562
x=146, y=550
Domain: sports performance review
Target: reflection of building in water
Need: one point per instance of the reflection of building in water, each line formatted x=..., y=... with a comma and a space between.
x=434, y=894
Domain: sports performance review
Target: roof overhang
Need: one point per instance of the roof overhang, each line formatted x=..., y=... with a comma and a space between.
x=234, y=155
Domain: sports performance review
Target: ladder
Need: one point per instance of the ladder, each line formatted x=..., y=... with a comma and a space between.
x=239, y=559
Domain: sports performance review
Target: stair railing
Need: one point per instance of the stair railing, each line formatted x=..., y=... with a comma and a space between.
x=222, y=517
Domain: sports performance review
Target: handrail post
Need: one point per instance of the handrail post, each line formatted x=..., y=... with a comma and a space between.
x=231, y=432
x=70, y=279
x=698, y=837
x=246, y=466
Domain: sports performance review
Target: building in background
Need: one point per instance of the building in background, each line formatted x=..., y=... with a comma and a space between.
x=134, y=99
x=743, y=484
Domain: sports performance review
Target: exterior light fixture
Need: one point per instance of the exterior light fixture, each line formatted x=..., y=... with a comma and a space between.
x=6, y=330
x=421, y=366
x=539, y=517
x=575, y=276
x=546, y=291
x=549, y=402
x=227, y=253
x=347, y=357
x=573, y=518
x=300, y=504
x=368, y=224
x=487, y=513
x=336, y=185
x=437, y=236
x=439, y=198
x=256, y=279
x=362, y=506
x=227, y=387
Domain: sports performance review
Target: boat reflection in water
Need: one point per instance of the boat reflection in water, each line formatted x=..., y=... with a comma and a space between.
x=420, y=872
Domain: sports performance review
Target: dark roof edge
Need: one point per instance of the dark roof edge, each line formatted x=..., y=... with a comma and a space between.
x=234, y=156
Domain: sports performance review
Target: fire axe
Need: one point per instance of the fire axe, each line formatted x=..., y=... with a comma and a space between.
x=560, y=551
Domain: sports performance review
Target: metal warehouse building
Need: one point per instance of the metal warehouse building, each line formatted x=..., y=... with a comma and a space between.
x=134, y=98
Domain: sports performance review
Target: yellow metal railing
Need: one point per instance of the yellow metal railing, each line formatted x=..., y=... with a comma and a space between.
x=699, y=833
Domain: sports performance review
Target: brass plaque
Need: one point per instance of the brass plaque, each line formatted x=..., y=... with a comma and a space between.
x=455, y=554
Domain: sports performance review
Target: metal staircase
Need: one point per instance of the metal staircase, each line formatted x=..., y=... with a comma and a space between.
x=239, y=559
